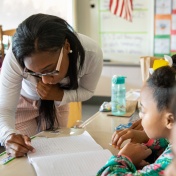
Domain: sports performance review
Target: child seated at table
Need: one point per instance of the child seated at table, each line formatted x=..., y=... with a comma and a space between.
x=157, y=122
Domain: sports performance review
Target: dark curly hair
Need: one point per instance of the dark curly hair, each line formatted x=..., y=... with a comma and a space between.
x=162, y=82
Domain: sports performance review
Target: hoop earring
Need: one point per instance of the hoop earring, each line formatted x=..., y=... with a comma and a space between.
x=71, y=51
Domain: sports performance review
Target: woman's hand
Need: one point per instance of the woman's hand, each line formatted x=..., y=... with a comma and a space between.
x=18, y=145
x=136, y=152
x=49, y=91
x=136, y=136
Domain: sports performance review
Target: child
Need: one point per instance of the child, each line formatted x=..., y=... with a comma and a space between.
x=157, y=121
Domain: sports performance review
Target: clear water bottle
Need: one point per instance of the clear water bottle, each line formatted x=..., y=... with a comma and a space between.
x=118, y=94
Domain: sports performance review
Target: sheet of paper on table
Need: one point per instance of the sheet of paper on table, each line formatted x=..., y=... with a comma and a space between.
x=73, y=155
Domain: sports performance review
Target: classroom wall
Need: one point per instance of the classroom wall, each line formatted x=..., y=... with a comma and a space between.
x=88, y=24
x=132, y=73
x=12, y=13
x=85, y=16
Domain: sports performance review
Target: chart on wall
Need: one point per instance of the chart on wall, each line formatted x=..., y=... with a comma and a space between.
x=126, y=41
x=165, y=28
x=12, y=13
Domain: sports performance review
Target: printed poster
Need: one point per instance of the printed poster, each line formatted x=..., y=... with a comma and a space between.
x=173, y=43
x=173, y=21
x=162, y=45
x=163, y=6
x=162, y=24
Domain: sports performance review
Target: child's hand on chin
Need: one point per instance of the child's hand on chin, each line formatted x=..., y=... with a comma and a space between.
x=136, y=152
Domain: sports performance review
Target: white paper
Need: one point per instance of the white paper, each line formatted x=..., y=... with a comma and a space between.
x=133, y=95
x=173, y=43
x=173, y=21
x=62, y=145
x=163, y=6
x=76, y=164
x=162, y=46
x=163, y=27
x=64, y=156
x=174, y=4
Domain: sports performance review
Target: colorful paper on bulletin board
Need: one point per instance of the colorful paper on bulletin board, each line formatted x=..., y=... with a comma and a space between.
x=173, y=28
x=173, y=7
x=162, y=24
x=173, y=41
x=172, y=53
x=163, y=6
x=161, y=45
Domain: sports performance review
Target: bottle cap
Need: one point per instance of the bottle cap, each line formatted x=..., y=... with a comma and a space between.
x=118, y=79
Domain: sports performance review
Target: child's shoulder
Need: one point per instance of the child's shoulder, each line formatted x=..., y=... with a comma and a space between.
x=166, y=157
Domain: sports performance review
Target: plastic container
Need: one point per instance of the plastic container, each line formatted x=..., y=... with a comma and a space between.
x=118, y=95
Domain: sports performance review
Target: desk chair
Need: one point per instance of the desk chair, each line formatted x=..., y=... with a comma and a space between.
x=146, y=62
x=75, y=113
x=8, y=35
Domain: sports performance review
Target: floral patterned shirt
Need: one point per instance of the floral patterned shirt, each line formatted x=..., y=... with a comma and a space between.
x=121, y=166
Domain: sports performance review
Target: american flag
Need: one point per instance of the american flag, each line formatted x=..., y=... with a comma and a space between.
x=122, y=8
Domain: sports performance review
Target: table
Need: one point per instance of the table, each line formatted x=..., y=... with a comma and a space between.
x=100, y=126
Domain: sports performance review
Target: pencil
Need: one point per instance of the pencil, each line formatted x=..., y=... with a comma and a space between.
x=3, y=153
x=115, y=146
x=7, y=160
x=32, y=137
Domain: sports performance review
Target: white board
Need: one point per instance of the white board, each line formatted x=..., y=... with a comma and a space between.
x=126, y=41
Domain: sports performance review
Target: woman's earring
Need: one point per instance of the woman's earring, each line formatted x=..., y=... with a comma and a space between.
x=71, y=51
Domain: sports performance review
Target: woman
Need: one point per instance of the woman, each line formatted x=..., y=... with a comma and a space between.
x=48, y=66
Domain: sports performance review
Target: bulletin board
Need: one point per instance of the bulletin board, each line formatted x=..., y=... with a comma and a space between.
x=165, y=28
x=126, y=41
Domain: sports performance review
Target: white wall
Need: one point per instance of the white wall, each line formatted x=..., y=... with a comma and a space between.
x=88, y=24
x=132, y=73
x=13, y=12
x=87, y=18
x=88, y=21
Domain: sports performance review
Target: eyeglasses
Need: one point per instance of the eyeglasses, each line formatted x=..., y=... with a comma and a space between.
x=55, y=72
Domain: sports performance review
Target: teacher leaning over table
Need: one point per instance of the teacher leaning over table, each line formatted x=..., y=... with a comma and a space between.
x=47, y=66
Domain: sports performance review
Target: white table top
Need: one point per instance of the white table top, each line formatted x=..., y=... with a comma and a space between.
x=100, y=126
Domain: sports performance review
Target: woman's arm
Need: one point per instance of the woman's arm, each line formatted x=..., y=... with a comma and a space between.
x=17, y=145
x=10, y=86
x=89, y=75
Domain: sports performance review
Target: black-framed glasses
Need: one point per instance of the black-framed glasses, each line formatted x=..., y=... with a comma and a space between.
x=55, y=72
